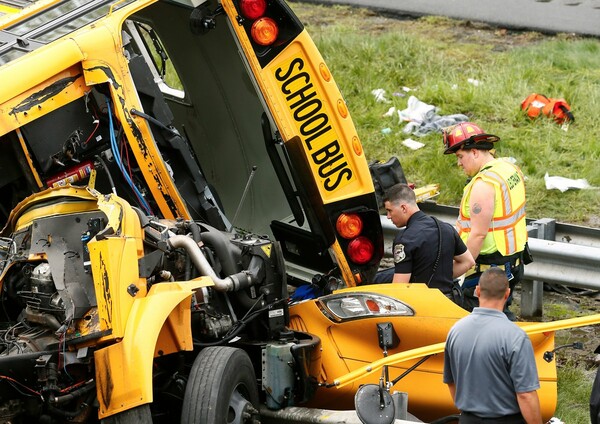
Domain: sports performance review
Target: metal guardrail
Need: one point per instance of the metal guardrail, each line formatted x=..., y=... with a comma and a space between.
x=564, y=254
x=566, y=233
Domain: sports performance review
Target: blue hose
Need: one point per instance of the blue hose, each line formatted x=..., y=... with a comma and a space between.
x=117, y=155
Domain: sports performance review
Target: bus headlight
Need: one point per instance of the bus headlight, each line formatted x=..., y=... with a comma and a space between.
x=349, y=306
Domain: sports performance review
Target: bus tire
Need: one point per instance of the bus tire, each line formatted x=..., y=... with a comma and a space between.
x=221, y=388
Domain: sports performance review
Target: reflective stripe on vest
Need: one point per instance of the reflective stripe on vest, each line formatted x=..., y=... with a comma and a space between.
x=508, y=232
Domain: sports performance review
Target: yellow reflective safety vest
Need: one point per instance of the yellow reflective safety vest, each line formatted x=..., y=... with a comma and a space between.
x=507, y=233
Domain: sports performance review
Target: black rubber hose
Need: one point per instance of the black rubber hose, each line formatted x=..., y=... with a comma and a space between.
x=110, y=178
x=195, y=229
x=61, y=400
x=223, y=248
x=53, y=410
x=240, y=325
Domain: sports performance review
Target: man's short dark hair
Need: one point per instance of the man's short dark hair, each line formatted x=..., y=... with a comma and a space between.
x=400, y=193
x=493, y=283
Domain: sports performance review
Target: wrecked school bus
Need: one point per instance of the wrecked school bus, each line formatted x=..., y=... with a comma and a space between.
x=168, y=169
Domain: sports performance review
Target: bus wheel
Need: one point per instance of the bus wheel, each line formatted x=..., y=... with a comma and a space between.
x=221, y=388
x=138, y=415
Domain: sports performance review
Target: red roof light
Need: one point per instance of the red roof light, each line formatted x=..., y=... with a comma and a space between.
x=253, y=9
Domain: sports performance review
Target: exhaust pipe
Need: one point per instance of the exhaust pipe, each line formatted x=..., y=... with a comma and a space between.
x=234, y=282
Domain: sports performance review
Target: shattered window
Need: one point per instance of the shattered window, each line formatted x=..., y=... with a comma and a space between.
x=10, y=55
x=151, y=47
x=53, y=22
x=45, y=17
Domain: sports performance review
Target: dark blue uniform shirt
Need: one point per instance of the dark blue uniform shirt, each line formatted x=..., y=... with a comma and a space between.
x=415, y=251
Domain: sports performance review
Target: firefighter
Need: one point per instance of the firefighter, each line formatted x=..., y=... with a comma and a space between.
x=491, y=221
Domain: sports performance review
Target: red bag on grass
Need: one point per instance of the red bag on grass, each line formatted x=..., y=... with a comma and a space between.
x=558, y=109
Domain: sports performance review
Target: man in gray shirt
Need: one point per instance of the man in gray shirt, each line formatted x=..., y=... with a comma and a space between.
x=489, y=365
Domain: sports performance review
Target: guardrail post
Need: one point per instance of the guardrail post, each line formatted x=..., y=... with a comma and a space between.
x=532, y=291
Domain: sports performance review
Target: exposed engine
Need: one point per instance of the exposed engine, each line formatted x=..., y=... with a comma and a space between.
x=51, y=324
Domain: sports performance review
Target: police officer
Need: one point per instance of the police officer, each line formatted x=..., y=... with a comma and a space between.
x=426, y=250
x=492, y=211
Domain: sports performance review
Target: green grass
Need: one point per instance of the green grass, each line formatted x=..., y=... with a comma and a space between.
x=556, y=311
x=574, y=388
x=574, y=377
x=431, y=55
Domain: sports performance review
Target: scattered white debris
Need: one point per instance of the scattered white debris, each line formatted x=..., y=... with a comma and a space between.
x=416, y=111
x=423, y=118
x=473, y=81
x=386, y=131
x=406, y=89
x=413, y=144
x=454, y=87
x=555, y=420
x=379, y=94
x=410, y=127
x=390, y=111
x=563, y=184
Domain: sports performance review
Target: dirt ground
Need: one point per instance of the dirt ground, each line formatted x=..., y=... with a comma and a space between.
x=561, y=303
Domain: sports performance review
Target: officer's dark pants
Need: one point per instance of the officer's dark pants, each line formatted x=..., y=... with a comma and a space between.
x=471, y=301
x=467, y=418
x=384, y=276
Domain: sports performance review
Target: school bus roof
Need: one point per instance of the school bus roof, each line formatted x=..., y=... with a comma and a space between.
x=45, y=21
x=14, y=7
